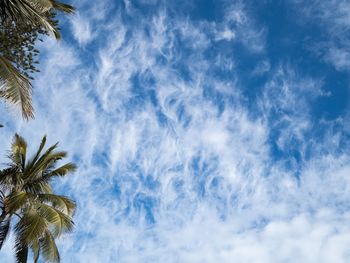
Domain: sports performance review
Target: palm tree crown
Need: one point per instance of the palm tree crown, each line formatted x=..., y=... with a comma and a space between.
x=26, y=197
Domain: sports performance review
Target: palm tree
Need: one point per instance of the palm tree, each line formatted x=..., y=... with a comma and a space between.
x=15, y=87
x=27, y=199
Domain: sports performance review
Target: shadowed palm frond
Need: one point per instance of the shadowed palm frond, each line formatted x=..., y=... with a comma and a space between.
x=4, y=230
x=21, y=251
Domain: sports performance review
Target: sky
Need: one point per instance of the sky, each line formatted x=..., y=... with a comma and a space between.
x=204, y=130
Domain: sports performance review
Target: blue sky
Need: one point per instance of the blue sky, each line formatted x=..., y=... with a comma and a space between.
x=204, y=131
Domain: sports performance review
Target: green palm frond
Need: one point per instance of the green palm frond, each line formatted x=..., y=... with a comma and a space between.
x=38, y=186
x=19, y=151
x=15, y=88
x=63, y=203
x=44, y=161
x=19, y=200
x=31, y=227
x=57, y=220
x=41, y=183
x=37, y=155
x=49, y=249
x=35, y=247
x=62, y=170
x=15, y=201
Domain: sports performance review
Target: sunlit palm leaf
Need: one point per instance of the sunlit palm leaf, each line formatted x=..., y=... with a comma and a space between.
x=42, y=6
x=57, y=220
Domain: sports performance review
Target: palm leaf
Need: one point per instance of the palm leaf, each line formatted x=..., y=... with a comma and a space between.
x=21, y=252
x=35, y=158
x=21, y=11
x=42, y=163
x=31, y=227
x=59, y=221
x=16, y=201
x=60, y=202
x=49, y=249
x=38, y=186
x=42, y=6
x=62, y=170
x=63, y=7
x=35, y=246
x=15, y=88
x=4, y=230
x=19, y=151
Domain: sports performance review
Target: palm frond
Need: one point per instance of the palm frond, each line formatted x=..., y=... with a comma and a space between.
x=16, y=201
x=19, y=151
x=42, y=6
x=21, y=11
x=49, y=249
x=68, y=9
x=41, y=183
x=63, y=203
x=16, y=88
x=42, y=163
x=57, y=220
x=6, y=177
x=35, y=246
x=36, y=156
x=38, y=186
x=21, y=251
x=31, y=227
x=62, y=170
x=4, y=230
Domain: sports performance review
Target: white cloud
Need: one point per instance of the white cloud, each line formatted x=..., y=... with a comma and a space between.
x=81, y=28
